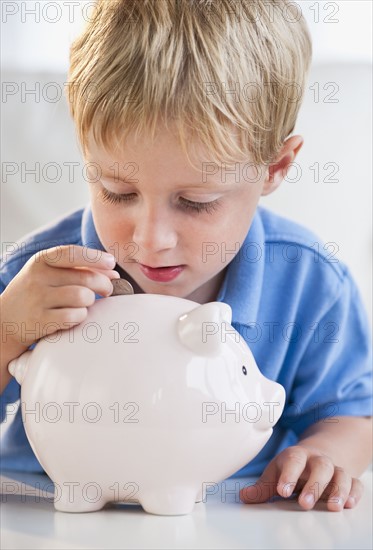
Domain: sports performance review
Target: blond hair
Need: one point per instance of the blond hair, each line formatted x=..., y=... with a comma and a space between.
x=231, y=73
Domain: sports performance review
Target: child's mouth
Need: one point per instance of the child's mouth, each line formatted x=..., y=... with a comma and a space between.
x=161, y=274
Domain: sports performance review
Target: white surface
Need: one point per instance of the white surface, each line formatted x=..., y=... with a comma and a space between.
x=280, y=524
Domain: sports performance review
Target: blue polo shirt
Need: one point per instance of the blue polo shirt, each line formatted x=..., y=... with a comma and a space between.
x=296, y=306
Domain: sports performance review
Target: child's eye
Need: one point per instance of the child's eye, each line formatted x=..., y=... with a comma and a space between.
x=185, y=204
x=208, y=207
x=114, y=198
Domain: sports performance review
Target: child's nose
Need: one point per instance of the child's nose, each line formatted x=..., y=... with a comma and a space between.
x=155, y=231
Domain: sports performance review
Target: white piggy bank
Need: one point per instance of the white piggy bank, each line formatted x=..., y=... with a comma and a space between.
x=149, y=400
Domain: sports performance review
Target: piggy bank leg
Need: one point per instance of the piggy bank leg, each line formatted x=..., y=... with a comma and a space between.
x=69, y=498
x=201, y=494
x=169, y=502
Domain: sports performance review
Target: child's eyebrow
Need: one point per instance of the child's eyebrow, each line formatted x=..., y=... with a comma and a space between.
x=190, y=185
x=206, y=186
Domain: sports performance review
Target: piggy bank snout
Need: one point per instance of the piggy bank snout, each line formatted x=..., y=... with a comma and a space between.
x=272, y=403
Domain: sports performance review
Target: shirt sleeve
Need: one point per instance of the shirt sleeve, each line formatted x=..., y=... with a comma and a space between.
x=12, y=392
x=334, y=377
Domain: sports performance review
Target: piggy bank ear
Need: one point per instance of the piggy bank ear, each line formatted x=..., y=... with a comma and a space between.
x=18, y=367
x=203, y=330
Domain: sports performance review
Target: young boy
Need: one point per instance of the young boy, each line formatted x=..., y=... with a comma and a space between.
x=184, y=110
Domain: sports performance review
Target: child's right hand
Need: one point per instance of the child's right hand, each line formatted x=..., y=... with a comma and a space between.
x=53, y=290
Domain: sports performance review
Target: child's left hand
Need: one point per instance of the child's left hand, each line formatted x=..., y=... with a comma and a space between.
x=309, y=471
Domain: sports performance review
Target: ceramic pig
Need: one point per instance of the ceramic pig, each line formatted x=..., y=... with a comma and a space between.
x=149, y=400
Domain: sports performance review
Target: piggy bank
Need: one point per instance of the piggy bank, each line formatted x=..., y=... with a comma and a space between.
x=148, y=401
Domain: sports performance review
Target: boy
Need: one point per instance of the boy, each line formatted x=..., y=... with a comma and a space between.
x=176, y=170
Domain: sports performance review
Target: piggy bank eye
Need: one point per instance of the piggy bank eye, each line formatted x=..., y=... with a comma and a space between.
x=244, y=370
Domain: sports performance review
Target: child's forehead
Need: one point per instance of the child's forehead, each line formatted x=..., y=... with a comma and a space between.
x=164, y=140
x=163, y=153
x=161, y=156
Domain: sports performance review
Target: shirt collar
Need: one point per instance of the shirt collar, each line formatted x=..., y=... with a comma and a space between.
x=89, y=234
x=242, y=285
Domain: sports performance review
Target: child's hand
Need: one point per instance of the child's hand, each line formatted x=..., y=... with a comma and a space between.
x=307, y=470
x=53, y=290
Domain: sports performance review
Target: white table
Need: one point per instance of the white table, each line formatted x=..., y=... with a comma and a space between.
x=29, y=521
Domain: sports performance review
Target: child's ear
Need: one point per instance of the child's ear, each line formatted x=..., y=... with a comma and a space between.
x=277, y=170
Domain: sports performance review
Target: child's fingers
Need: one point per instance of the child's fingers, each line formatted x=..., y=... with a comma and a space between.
x=69, y=296
x=75, y=256
x=91, y=279
x=111, y=273
x=263, y=489
x=67, y=317
x=338, y=490
x=356, y=492
x=321, y=470
x=292, y=463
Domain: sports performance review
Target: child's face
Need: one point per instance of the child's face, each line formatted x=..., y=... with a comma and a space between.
x=161, y=219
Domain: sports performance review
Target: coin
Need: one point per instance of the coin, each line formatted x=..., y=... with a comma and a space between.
x=121, y=287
